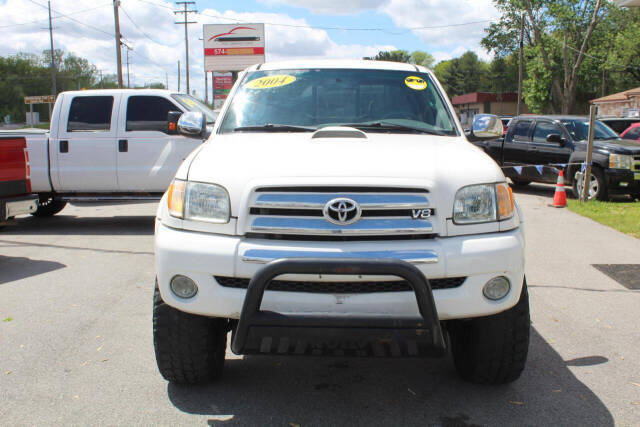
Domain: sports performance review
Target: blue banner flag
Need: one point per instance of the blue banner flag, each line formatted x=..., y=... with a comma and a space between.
x=518, y=169
x=583, y=167
x=539, y=169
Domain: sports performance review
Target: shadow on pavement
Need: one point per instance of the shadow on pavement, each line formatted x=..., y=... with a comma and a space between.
x=16, y=268
x=316, y=391
x=73, y=225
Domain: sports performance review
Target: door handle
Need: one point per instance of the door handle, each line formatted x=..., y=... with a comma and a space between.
x=123, y=146
x=64, y=146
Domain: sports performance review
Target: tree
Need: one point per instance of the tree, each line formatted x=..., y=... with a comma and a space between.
x=462, y=75
x=420, y=57
x=417, y=57
x=557, y=34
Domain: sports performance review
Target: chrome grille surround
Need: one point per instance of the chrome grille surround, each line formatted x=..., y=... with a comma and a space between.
x=299, y=211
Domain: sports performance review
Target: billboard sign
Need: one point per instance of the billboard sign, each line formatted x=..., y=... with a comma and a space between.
x=233, y=47
x=222, y=83
x=42, y=99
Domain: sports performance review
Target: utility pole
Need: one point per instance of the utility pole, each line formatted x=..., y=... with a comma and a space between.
x=54, y=90
x=166, y=79
x=206, y=79
x=520, y=66
x=178, y=75
x=128, y=49
x=118, y=41
x=186, y=23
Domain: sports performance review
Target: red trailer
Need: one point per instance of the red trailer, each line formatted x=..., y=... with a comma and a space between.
x=15, y=179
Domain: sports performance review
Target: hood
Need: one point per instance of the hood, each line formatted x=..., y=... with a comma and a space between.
x=618, y=146
x=241, y=162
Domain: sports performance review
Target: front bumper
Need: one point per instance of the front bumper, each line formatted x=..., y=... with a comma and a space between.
x=21, y=205
x=621, y=181
x=201, y=256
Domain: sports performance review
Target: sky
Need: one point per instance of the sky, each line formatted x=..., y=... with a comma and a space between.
x=295, y=29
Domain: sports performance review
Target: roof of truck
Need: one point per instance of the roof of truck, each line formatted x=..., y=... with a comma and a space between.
x=339, y=63
x=95, y=92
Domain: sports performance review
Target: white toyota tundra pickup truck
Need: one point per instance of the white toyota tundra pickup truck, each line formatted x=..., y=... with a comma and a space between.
x=111, y=144
x=338, y=209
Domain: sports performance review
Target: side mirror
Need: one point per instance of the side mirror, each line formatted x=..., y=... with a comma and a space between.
x=486, y=126
x=192, y=123
x=556, y=138
x=172, y=121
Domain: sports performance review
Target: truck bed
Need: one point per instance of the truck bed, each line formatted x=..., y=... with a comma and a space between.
x=38, y=158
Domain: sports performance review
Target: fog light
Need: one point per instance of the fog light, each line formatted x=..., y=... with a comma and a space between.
x=183, y=287
x=624, y=184
x=496, y=288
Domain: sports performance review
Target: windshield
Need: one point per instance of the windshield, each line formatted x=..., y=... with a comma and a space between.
x=375, y=100
x=579, y=130
x=192, y=104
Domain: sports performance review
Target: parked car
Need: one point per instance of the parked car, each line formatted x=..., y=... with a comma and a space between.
x=632, y=132
x=113, y=144
x=548, y=140
x=619, y=124
x=327, y=175
x=505, y=123
x=15, y=182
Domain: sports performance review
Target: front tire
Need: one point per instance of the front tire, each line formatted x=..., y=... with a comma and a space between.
x=598, y=188
x=493, y=349
x=189, y=349
x=48, y=207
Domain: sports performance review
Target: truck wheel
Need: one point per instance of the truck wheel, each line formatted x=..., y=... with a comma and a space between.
x=493, y=349
x=598, y=189
x=189, y=349
x=49, y=207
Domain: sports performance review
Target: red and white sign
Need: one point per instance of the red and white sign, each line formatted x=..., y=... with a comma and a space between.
x=222, y=84
x=233, y=47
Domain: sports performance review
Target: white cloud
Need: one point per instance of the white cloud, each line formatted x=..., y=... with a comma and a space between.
x=332, y=7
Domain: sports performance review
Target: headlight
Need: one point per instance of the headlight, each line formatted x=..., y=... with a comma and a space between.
x=483, y=203
x=198, y=201
x=620, y=161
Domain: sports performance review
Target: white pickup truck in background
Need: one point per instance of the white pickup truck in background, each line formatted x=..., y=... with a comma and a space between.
x=112, y=144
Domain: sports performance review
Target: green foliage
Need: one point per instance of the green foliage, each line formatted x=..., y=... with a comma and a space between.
x=417, y=57
x=29, y=74
x=558, y=77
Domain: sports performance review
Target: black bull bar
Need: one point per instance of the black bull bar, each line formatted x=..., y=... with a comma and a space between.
x=265, y=332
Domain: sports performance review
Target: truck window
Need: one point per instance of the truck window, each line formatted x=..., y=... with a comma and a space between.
x=148, y=113
x=544, y=129
x=90, y=114
x=520, y=131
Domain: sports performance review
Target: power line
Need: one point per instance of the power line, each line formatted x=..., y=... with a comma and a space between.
x=137, y=27
x=73, y=19
x=39, y=21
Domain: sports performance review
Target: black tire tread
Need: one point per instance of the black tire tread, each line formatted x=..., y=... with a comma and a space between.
x=189, y=349
x=49, y=207
x=493, y=349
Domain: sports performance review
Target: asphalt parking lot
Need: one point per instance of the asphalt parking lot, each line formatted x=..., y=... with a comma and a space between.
x=76, y=344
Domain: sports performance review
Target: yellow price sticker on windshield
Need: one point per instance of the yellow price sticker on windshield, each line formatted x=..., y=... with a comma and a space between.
x=415, y=83
x=269, y=82
x=189, y=102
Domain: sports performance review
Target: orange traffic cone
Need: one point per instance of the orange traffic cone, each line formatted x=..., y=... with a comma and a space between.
x=560, y=197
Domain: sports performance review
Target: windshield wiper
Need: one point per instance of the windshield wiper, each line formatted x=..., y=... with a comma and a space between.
x=274, y=127
x=392, y=126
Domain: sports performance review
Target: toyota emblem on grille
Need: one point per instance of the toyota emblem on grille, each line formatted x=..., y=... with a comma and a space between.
x=342, y=211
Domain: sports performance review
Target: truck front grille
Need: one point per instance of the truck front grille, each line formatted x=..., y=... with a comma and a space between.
x=303, y=211
x=340, y=287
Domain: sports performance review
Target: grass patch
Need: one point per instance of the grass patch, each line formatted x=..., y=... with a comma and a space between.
x=624, y=217
x=38, y=126
x=7, y=319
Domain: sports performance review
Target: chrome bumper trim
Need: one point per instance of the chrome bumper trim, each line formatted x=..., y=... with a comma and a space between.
x=315, y=226
x=263, y=256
